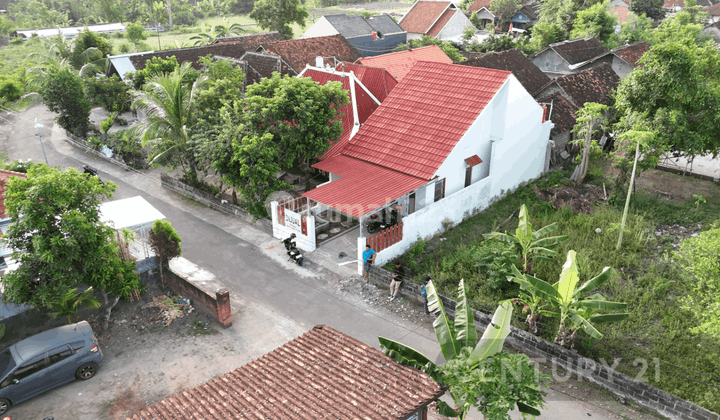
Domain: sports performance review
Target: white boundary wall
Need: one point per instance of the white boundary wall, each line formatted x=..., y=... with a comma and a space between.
x=304, y=242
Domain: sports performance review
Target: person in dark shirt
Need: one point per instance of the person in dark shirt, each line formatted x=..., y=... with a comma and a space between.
x=423, y=291
x=397, y=280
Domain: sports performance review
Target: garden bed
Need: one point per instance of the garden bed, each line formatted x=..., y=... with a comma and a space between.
x=663, y=212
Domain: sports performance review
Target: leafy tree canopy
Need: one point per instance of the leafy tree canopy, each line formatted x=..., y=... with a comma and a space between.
x=505, y=9
x=649, y=8
x=544, y=34
x=135, y=33
x=84, y=41
x=110, y=93
x=62, y=92
x=558, y=12
x=279, y=15
x=595, y=21
x=446, y=46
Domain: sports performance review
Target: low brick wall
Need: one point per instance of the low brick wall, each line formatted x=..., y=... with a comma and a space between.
x=209, y=200
x=82, y=144
x=216, y=304
x=618, y=383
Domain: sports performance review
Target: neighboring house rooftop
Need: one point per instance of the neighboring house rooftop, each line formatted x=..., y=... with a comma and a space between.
x=422, y=16
x=425, y=116
x=577, y=50
x=470, y=55
x=562, y=112
x=250, y=41
x=593, y=85
x=632, y=53
x=714, y=31
x=300, y=52
x=621, y=12
x=713, y=10
x=479, y=4
x=672, y=4
x=261, y=65
x=5, y=176
x=189, y=54
x=441, y=22
x=321, y=374
x=352, y=26
x=384, y=24
x=527, y=73
x=400, y=63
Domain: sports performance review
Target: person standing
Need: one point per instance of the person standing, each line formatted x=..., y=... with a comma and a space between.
x=398, y=277
x=423, y=292
x=368, y=261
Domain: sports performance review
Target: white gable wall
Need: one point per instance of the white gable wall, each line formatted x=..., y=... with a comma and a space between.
x=621, y=67
x=322, y=27
x=455, y=26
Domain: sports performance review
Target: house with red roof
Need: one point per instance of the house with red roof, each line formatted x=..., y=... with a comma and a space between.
x=399, y=63
x=436, y=19
x=445, y=143
x=713, y=13
x=482, y=8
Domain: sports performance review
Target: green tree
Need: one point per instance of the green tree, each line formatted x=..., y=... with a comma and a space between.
x=170, y=105
x=676, y=95
x=686, y=24
x=62, y=92
x=446, y=46
x=279, y=15
x=155, y=67
x=544, y=34
x=70, y=303
x=474, y=371
x=59, y=241
x=576, y=308
x=649, y=8
x=528, y=243
x=504, y=10
x=165, y=243
x=88, y=41
x=558, y=12
x=595, y=21
x=698, y=256
x=135, y=33
x=7, y=26
x=110, y=93
x=637, y=28
x=590, y=119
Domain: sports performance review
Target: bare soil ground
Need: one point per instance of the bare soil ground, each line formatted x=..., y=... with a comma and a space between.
x=677, y=187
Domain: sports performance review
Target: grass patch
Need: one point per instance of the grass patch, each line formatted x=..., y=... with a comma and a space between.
x=656, y=337
x=198, y=328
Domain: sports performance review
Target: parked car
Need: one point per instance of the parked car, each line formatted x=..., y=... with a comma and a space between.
x=47, y=360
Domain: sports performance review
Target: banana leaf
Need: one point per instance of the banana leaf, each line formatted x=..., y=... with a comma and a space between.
x=583, y=323
x=604, y=318
x=524, y=231
x=449, y=345
x=568, y=279
x=464, y=319
x=493, y=338
x=408, y=356
x=594, y=283
x=603, y=305
x=535, y=286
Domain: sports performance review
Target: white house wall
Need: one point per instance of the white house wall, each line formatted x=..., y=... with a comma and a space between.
x=321, y=28
x=455, y=26
x=414, y=36
x=621, y=67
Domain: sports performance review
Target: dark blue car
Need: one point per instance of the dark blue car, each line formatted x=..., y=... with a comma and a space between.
x=47, y=360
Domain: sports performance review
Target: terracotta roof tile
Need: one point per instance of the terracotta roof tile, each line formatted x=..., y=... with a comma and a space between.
x=299, y=52
x=527, y=73
x=440, y=24
x=320, y=375
x=470, y=55
x=593, y=85
x=633, y=52
x=378, y=80
x=562, y=113
x=251, y=41
x=621, y=12
x=422, y=15
x=4, y=178
x=260, y=65
x=479, y=4
x=713, y=10
x=473, y=160
x=400, y=63
x=672, y=4
x=578, y=50
x=425, y=116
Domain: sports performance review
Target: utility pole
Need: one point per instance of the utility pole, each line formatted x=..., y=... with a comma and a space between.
x=38, y=126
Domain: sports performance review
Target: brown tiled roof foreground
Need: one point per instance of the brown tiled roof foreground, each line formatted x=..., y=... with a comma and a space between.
x=323, y=374
x=527, y=73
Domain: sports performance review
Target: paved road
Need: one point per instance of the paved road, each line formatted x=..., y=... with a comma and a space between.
x=250, y=263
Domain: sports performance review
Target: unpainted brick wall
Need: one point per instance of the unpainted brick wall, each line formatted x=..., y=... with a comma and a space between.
x=622, y=385
x=217, y=305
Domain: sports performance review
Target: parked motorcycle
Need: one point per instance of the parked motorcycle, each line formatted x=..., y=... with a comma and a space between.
x=376, y=223
x=89, y=170
x=292, y=251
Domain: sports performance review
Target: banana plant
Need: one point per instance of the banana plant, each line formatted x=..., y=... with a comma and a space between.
x=576, y=307
x=458, y=343
x=529, y=243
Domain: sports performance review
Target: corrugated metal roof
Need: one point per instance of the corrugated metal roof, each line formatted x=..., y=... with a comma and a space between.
x=323, y=374
x=422, y=15
x=122, y=65
x=400, y=63
x=363, y=187
x=425, y=116
x=473, y=160
x=440, y=24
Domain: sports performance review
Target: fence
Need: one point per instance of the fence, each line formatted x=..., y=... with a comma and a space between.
x=286, y=222
x=206, y=293
x=386, y=238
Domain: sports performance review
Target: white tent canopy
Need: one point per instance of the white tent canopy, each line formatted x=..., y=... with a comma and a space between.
x=132, y=213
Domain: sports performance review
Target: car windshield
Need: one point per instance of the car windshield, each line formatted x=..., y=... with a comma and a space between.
x=7, y=362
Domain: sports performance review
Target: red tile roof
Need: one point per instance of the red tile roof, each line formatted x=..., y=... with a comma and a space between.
x=440, y=24
x=365, y=105
x=713, y=10
x=473, y=160
x=363, y=186
x=621, y=12
x=671, y=4
x=425, y=116
x=422, y=15
x=400, y=63
x=479, y=4
x=302, y=51
x=633, y=52
x=378, y=80
x=4, y=178
x=322, y=374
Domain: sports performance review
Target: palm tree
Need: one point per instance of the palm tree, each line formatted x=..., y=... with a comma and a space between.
x=169, y=104
x=70, y=303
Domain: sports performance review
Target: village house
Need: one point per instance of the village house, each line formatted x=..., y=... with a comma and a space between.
x=443, y=144
x=436, y=19
x=515, y=61
x=371, y=36
x=623, y=59
x=320, y=375
x=298, y=53
x=482, y=8
x=565, y=57
x=713, y=13
x=398, y=64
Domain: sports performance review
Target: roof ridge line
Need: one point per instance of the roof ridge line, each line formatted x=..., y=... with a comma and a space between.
x=380, y=166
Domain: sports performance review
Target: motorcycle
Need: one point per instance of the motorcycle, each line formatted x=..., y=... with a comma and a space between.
x=377, y=224
x=292, y=251
x=89, y=170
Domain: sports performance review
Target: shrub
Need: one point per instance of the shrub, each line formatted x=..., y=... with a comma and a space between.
x=494, y=260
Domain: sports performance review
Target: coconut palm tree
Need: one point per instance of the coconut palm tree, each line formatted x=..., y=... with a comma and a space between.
x=169, y=104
